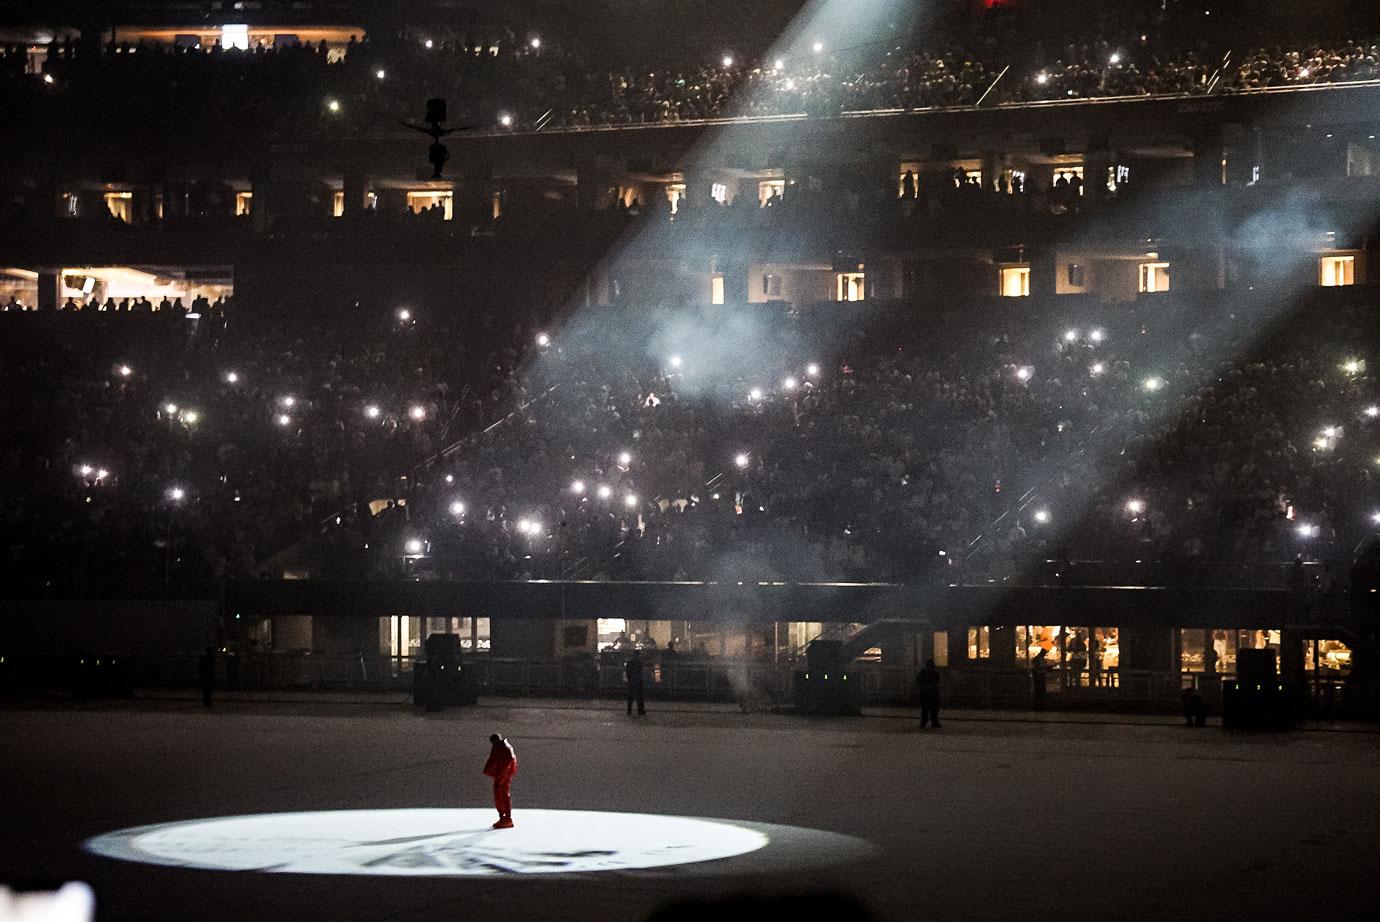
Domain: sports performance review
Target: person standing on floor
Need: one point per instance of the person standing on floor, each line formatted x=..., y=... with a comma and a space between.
x=928, y=680
x=632, y=671
x=501, y=767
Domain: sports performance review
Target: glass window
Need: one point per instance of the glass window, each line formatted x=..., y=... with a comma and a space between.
x=1077, y=275
x=716, y=289
x=1031, y=639
x=337, y=204
x=851, y=286
x=768, y=188
x=719, y=192
x=418, y=202
x=1327, y=657
x=244, y=203
x=1336, y=271
x=1104, y=651
x=771, y=286
x=1191, y=649
x=1015, y=282
x=674, y=193
x=941, y=648
x=979, y=643
x=1154, y=277
x=120, y=205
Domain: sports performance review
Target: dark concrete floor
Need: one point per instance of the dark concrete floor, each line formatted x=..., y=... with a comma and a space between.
x=984, y=819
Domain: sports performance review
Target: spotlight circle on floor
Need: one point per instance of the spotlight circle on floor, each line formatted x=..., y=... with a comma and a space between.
x=433, y=842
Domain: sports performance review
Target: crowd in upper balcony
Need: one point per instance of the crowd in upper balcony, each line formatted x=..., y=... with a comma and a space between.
x=843, y=442
x=149, y=89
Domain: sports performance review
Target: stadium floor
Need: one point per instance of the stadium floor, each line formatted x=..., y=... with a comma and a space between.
x=1133, y=818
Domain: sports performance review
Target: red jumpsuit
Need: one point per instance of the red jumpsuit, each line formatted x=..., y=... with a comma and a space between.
x=501, y=767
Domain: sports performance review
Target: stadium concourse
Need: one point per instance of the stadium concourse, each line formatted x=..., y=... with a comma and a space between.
x=1129, y=817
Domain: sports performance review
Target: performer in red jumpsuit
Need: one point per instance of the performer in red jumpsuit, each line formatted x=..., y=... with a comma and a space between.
x=501, y=767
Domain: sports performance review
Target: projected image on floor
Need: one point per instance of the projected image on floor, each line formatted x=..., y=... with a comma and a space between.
x=433, y=842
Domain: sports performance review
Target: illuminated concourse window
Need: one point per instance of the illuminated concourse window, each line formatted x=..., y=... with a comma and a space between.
x=716, y=288
x=244, y=203
x=120, y=205
x=979, y=643
x=418, y=202
x=851, y=286
x=1154, y=277
x=768, y=188
x=337, y=204
x=719, y=192
x=674, y=193
x=771, y=286
x=1327, y=658
x=1336, y=271
x=1032, y=638
x=1015, y=282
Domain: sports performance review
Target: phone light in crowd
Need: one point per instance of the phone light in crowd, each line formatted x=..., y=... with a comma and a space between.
x=604, y=491
x=755, y=394
x=428, y=44
x=630, y=501
x=543, y=340
x=790, y=384
x=578, y=487
x=404, y=314
x=1372, y=411
x=812, y=370
x=1097, y=368
x=170, y=409
x=1153, y=384
x=741, y=459
x=817, y=47
x=418, y=413
x=1308, y=531
x=1135, y=507
x=1042, y=78
x=505, y=120
x=1115, y=58
x=450, y=478
x=414, y=545
x=1024, y=373
x=1331, y=432
x=624, y=459
x=535, y=42
x=1071, y=336
x=232, y=377
x=333, y=105
x=177, y=494
x=191, y=417
x=380, y=73
x=289, y=401
x=1353, y=366
x=86, y=470
x=1042, y=516
x=728, y=60
x=284, y=419
x=1303, y=72
x=676, y=361
x=457, y=508
x=125, y=371
x=1375, y=518
x=778, y=64
x=1097, y=335
x=372, y=411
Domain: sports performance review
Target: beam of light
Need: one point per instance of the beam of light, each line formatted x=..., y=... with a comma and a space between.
x=437, y=842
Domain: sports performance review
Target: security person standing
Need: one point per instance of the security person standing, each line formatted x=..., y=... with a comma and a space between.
x=928, y=680
x=632, y=672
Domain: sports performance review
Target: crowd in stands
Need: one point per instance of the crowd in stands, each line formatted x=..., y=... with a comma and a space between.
x=844, y=442
x=149, y=89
